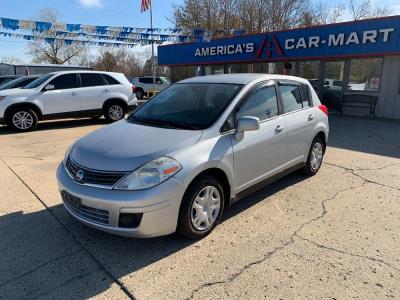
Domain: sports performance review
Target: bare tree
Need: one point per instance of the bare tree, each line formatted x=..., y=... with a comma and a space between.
x=57, y=52
x=11, y=60
x=324, y=14
x=362, y=9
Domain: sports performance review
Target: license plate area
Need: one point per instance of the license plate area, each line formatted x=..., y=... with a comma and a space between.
x=71, y=200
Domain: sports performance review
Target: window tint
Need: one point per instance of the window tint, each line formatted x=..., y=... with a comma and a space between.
x=91, y=79
x=109, y=79
x=146, y=80
x=39, y=81
x=63, y=82
x=261, y=104
x=291, y=97
x=305, y=95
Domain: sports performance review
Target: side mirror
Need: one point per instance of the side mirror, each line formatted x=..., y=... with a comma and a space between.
x=246, y=124
x=49, y=87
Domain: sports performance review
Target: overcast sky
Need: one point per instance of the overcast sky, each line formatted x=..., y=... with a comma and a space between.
x=102, y=12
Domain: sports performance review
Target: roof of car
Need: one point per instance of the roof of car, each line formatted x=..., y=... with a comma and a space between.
x=242, y=78
x=82, y=71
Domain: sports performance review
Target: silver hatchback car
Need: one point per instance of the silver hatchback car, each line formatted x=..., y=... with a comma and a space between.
x=188, y=153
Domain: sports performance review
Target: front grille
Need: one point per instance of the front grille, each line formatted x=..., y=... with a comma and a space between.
x=102, y=178
x=85, y=212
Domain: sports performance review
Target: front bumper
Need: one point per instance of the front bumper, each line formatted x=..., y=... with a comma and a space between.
x=159, y=205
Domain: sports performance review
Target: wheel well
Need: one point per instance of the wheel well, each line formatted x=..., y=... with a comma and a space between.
x=23, y=106
x=116, y=101
x=218, y=173
x=322, y=135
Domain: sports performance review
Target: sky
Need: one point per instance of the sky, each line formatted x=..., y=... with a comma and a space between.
x=103, y=12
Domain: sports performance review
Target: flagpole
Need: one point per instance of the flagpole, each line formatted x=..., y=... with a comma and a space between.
x=152, y=48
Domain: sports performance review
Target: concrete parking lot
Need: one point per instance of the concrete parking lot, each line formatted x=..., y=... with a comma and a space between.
x=333, y=236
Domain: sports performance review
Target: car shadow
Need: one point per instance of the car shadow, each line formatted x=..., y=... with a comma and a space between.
x=57, y=124
x=32, y=242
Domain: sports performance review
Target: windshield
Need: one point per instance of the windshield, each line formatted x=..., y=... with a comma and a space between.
x=34, y=84
x=11, y=84
x=192, y=106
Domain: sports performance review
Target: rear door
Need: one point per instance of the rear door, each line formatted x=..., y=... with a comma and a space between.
x=299, y=118
x=261, y=152
x=63, y=98
x=93, y=92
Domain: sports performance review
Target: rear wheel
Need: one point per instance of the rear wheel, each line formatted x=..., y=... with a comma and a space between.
x=202, y=208
x=315, y=156
x=114, y=112
x=139, y=94
x=22, y=119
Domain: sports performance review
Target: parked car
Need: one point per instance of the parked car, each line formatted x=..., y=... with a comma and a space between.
x=67, y=94
x=19, y=82
x=189, y=152
x=145, y=85
x=8, y=78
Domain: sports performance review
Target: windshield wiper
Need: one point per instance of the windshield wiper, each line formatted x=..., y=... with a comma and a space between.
x=163, y=123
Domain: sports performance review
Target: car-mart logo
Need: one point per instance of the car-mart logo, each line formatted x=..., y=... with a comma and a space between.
x=271, y=45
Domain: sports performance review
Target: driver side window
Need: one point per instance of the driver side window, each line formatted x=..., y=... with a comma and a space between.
x=64, y=82
x=262, y=104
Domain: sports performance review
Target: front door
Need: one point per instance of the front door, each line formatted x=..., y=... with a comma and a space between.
x=64, y=97
x=262, y=152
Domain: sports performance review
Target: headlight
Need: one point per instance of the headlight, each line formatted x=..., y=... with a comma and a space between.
x=2, y=97
x=67, y=153
x=151, y=174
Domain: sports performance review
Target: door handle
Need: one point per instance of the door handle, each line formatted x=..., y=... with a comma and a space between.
x=279, y=128
x=72, y=94
x=310, y=117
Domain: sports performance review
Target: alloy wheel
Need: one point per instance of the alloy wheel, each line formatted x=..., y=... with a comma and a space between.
x=22, y=120
x=316, y=156
x=115, y=112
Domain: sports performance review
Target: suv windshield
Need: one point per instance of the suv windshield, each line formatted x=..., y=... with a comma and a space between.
x=192, y=106
x=34, y=84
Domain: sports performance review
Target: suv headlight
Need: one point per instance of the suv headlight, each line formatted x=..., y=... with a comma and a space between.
x=151, y=174
x=2, y=97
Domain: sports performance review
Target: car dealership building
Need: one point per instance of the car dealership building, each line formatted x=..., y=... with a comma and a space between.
x=358, y=60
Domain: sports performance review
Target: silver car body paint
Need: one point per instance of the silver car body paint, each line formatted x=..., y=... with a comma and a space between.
x=124, y=146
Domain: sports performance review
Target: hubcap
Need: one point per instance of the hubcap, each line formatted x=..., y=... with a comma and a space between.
x=22, y=120
x=205, y=208
x=316, y=156
x=116, y=112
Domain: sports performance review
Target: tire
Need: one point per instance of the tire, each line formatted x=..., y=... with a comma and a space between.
x=139, y=93
x=315, y=157
x=114, y=112
x=22, y=119
x=192, y=222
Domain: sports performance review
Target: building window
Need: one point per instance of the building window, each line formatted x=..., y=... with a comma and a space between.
x=310, y=70
x=365, y=74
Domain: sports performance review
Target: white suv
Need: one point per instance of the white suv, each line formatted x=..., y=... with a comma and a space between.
x=67, y=94
x=145, y=85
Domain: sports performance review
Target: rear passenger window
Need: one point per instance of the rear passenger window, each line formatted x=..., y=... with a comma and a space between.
x=291, y=97
x=110, y=80
x=90, y=79
x=64, y=82
x=305, y=95
x=262, y=104
x=146, y=80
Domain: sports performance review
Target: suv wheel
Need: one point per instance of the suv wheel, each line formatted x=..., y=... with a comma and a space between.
x=202, y=208
x=114, y=112
x=23, y=119
x=315, y=157
x=139, y=93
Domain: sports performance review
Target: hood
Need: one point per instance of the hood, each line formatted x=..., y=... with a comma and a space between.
x=125, y=146
x=17, y=92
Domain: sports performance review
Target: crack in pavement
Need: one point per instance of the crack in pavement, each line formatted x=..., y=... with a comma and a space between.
x=39, y=267
x=349, y=253
x=92, y=256
x=276, y=249
x=353, y=172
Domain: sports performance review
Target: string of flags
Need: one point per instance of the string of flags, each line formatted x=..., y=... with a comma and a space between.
x=114, y=33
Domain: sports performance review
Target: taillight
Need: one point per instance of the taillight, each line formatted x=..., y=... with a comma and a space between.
x=323, y=108
x=133, y=89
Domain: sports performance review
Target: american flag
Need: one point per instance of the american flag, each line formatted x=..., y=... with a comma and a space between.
x=145, y=5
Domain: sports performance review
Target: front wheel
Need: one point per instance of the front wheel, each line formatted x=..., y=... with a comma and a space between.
x=202, y=208
x=23, y=120
x=315, y=157
x=114, y=112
